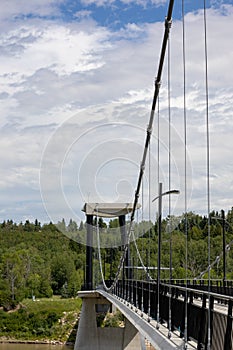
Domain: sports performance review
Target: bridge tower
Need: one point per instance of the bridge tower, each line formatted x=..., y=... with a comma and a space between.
x=104, y=210
x=89, y=335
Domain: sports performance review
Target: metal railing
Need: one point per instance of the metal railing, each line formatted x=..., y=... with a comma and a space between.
x=198, y=300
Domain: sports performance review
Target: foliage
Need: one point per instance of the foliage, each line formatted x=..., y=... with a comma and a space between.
x=42, y=319
x=110, y=319
x=37, y=261
x=114, y=319
x=190, y=229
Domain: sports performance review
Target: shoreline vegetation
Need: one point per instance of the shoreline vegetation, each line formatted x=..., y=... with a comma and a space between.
x=43, y=342
x=51, y=321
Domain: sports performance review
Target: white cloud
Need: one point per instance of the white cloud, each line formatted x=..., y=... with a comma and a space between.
x=143, y=3
x=57, y=48
x=98, y=2
x=50, y=71
x=10, y=9
x=83, y=14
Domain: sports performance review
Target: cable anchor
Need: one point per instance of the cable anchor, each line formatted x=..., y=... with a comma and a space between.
x=157, y=83
x=168, y=23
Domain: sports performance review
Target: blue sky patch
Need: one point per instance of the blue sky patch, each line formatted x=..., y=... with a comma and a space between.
x=118, y=14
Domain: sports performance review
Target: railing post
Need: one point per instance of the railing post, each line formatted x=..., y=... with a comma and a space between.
x=203, y=326
x=228, y=335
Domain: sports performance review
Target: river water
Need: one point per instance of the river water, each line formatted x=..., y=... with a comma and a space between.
x=5, y=346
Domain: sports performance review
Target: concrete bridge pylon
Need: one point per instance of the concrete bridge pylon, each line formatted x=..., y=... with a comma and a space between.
x=92, y=337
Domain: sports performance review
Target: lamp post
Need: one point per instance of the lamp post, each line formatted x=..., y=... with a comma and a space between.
x=224, y=248
x=223, y=244
x=159, y=197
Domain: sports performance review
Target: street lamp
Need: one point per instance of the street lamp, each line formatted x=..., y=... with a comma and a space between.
x=223, y=245
x=223, y=248
x=165, y=193
x=161, y=194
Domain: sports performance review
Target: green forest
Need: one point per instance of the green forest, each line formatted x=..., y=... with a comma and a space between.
x=39, y=261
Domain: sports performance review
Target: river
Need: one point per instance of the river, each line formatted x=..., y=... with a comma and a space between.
x=6, y=346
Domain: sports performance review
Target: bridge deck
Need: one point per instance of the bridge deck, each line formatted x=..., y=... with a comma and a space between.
x=157, y=337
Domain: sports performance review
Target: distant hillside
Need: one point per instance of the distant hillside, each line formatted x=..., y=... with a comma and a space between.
x=39, y=261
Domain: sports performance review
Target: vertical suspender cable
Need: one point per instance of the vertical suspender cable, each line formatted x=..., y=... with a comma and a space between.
x=142, y=284
x=158, y=145
x=137, y=265
x=169, y=184
x=98, y=244
x=149, y=199
x=158, y=226
x=185, y=175
x=208, y=170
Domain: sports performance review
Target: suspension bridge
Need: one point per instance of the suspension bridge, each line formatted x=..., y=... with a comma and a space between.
x=169, y=314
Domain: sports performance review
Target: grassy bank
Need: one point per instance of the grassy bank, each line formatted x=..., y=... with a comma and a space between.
x=46, y=319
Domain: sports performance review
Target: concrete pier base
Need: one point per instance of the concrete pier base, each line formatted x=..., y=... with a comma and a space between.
x=91, y=337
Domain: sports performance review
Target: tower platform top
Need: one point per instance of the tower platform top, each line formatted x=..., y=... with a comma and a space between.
x=108, y=210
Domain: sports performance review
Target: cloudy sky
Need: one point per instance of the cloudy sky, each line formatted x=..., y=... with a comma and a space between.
x=77, y=80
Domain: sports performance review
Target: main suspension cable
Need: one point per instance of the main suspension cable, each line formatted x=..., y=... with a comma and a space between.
x=168, y=21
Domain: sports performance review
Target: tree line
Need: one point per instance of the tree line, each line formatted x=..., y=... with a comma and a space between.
x=40, y=261
x=37, y=261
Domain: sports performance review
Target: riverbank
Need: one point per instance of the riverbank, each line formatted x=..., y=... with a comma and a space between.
x=20, y=346
x=4, y=340
x=53, y=343
x=49, y=322
x=45, y=321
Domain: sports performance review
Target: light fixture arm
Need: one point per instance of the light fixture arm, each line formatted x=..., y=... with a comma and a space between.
x=166, y=193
